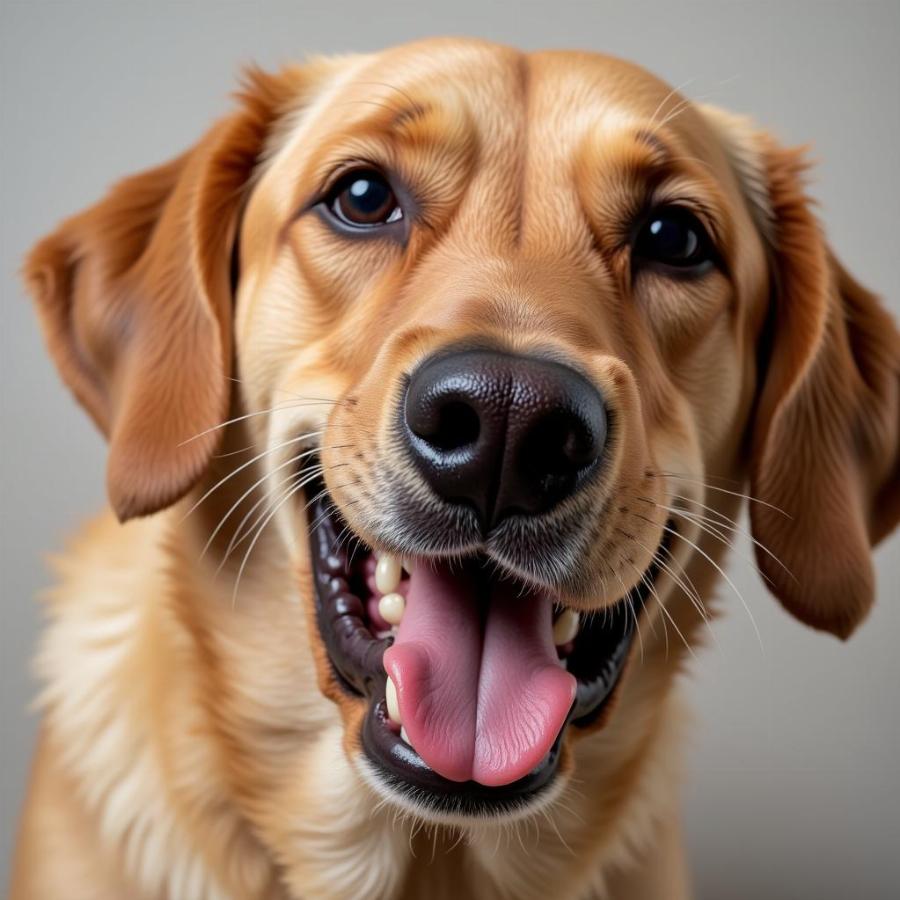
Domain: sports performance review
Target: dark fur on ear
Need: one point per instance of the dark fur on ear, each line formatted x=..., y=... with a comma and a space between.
x=134, y=298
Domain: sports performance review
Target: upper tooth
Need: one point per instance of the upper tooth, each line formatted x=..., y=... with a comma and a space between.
x=391, y=607
x=387, y=574
x=566, y=627
x=408, y=564
x=393, y=705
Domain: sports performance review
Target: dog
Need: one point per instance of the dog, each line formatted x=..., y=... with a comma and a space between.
x=434, y=381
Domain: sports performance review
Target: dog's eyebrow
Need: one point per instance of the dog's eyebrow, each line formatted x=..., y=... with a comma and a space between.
x=655, y=143
x=402, y=116
x=408, y=115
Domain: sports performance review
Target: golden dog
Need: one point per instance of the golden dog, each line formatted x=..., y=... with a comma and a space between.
x=432, y=379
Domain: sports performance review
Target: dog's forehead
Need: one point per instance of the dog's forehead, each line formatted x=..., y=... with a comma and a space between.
x=486, y=75
x=489, y=111
x=534, y=102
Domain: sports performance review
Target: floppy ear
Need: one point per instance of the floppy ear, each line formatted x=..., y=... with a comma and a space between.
x=134, y=298
x=824, y=463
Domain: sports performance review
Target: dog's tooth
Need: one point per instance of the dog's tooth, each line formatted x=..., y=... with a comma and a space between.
x=391, y=607
x=387, y=573
x=405, y=736
x=393, y=705
x=408, y=564
x=566, y=627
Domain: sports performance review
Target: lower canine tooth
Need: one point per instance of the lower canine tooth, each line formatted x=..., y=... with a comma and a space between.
x=391, y=607
x=565, y=628
x=393, y=705
x=405, y=736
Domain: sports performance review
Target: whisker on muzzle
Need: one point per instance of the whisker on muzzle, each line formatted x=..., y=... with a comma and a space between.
x=727, y=579
x=690, y=592
x=254, y=486
x=680, y=476
x=250, y=462
x=238, y=538
x=268, y=518
x=277, y=407
x=723, y=521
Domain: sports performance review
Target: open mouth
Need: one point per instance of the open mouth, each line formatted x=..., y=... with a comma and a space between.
x=471, y=677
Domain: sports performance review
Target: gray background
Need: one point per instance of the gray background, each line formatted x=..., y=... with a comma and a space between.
x=794, y=786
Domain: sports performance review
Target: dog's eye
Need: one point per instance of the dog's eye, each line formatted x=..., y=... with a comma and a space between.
x=364, y=199
x=673, y=236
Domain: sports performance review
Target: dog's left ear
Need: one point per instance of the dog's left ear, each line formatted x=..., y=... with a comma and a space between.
x=825, y=447
x=134, y=298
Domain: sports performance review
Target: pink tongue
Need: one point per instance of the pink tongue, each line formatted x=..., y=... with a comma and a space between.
x=480, y=700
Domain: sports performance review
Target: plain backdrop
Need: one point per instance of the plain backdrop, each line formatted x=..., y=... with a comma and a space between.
x=794, y=781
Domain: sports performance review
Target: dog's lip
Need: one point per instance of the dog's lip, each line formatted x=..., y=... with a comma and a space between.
x=356, y=657
x=406, y=772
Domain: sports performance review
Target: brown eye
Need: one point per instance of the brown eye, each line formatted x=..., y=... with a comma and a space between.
x=364, y=199
x=673, y=237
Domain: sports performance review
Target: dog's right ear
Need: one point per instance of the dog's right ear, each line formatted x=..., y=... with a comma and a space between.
x=134, y=298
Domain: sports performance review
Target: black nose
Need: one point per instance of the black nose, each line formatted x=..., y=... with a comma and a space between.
x=503, y=433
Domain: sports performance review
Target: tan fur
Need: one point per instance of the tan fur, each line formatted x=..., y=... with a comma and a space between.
x=194, y=742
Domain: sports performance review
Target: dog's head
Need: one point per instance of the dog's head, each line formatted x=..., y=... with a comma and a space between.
x=509, y=335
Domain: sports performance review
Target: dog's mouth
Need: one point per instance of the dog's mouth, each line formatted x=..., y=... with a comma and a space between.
x=471, y=676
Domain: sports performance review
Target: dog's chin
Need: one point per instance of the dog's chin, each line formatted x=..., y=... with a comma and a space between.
x=356, y=637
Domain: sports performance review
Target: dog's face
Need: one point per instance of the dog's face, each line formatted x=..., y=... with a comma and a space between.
x=499, y=323
x=518, y=331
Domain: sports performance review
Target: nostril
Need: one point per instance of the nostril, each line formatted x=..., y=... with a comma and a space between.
x=457, y=426
x=445, y=423
x=560, y=444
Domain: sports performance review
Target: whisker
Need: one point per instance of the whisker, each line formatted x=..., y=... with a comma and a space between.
x=314, y=471
x=629, y=605
x=731, y=525
x=665, y=100
x=692, y=595
x=722, y=572
x=636, y=626
x=662, y=606
x=261, y=529
x=649, y=621
x=709, y=527
x=676, y=111
x=244, y=465
x=239, y=536
x=260, y=412
x=554, y=826
x=233, y=452
x=259, y=481
x=683, y=477
x=683, y=105
x=332, y=505
x=282, y=390
x=335, y=425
